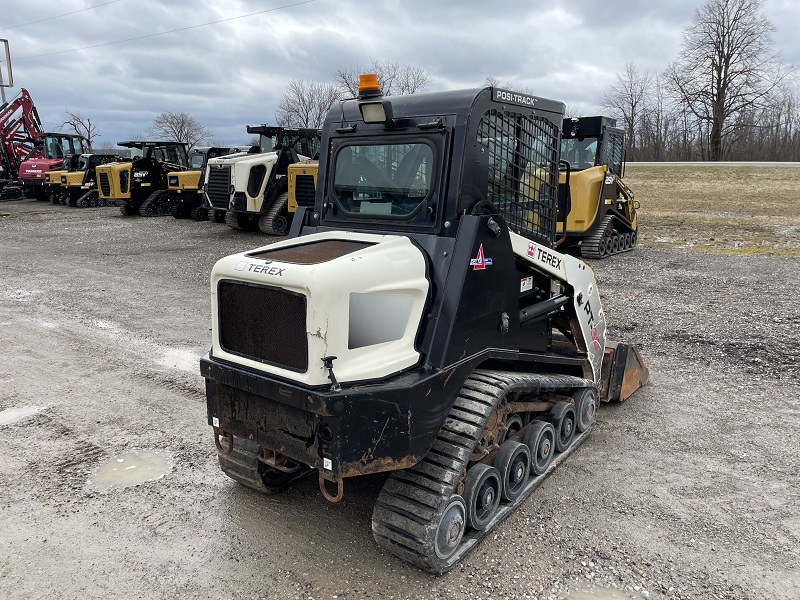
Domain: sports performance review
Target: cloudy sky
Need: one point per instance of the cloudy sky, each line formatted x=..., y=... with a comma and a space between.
x=227, y=63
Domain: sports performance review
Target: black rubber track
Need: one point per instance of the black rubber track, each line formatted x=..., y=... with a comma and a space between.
x=242, y=465
x=411, y=502
x=156, y=205
x=267, y=221
x=591, y=248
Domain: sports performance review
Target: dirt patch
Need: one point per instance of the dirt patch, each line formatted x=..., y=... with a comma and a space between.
x=689, y=490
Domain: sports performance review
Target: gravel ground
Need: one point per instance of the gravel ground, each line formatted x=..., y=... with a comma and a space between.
x=689, y=490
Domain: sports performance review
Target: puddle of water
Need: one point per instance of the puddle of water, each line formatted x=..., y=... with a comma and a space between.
x=12, y=415
x=185, y=360
x=127, y=470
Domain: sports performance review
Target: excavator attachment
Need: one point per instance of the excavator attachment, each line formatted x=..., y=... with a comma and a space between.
x=623, y=372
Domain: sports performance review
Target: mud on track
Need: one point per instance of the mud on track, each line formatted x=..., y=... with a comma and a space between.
x=688, y=491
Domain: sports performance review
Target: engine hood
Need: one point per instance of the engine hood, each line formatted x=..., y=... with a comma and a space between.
x=356, y=297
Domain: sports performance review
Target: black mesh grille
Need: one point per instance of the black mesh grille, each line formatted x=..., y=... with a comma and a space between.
x=523, y=180
x=219, y=185
x=105, y=186
x=304, y=190
x=263, y=323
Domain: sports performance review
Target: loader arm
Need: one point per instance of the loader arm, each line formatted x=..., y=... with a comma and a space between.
x=617, y=369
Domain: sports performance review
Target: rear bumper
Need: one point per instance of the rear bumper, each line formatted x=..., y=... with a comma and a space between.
x=355, y=431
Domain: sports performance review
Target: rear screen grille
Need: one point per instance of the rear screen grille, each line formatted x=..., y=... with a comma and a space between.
x=263, y=323
x=304, y=190
x=105, y=186
x=218, y=187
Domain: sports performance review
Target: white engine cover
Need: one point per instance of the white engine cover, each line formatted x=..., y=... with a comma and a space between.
x=364, y=307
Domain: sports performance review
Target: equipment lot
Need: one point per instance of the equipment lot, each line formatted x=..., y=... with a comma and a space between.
x=689, y=490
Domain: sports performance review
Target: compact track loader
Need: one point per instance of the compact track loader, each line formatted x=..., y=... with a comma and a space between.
x=250, y=189
x=141, y=183
x=52, y=179
x=79, y=186
x=185, y=188
x=601, y=215
x=417, y=321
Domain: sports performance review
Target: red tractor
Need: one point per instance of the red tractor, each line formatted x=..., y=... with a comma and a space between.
x=48, y=155
x=20, y=128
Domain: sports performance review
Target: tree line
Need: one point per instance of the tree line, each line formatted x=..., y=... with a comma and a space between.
x=726, y=96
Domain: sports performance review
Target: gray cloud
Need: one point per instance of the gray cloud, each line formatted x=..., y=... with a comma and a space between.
x=232, y=73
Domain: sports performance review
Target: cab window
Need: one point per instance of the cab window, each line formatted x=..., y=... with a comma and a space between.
x=390, y=180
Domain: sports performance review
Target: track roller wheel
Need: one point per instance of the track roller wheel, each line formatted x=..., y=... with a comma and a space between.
x=513, y=425
x=562, y=416
x=513, y=462
x=127, y=210
x=219, y=216
x=540, y=439
x=450, y=528
x=634, y=237
x=585, y=409
x=54, y=198
x=200, y=213
x=482, y=491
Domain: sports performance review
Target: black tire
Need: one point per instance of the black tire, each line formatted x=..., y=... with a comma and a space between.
x=513, y=462
x=127, y=210
x=585, y=409
x=219, y=216
x=482, y=495
x=540, y=439
x=562, y=416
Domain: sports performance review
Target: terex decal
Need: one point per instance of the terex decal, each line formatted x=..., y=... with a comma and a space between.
x=480, y=262
x=543, y=255
x=265, y=269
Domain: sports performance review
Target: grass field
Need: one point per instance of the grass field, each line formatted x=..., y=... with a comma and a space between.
x=732, y=210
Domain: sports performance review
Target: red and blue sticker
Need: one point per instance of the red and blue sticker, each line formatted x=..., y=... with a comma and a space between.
x=480, y=262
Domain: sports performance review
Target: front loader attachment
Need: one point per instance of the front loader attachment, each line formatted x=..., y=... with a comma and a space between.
x=623, y=372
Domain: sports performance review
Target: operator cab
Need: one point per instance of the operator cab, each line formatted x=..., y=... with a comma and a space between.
x=593, y=141
x=417, y=163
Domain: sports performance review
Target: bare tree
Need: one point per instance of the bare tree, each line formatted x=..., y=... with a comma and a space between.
x=81, y=126
x=626, y=100
x=394, y=79
x=305, y=103
x=726, y=66
x=179, y=127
